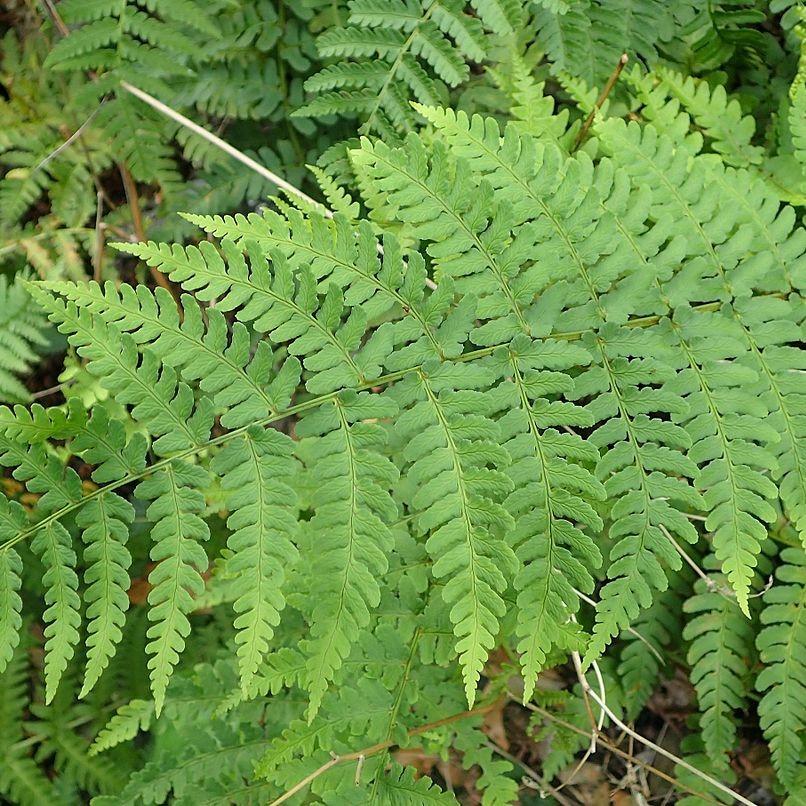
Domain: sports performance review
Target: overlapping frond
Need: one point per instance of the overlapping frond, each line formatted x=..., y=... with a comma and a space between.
x=394, y=52
x=782, y=644
x=456, y=465
x=552, y=503
x=349, y=536
x=22, y=338
x=720, y=655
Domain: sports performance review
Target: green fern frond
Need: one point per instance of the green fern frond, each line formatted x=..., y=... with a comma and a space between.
x=718, y=115
x=782, y=644
x=263, y=524
x=457, y=499
x=402, y=51
x=180, y=560
x=127, y=721
x=553, y=497
x=12, y=520
x=22, y=337
x=202, y=351
x=401, y=787
x=720, y=654
x=349, y=532
x=21, y=779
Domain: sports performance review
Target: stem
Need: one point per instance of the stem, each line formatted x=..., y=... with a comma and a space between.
x=658, y=749
x=223, y=145
x=137, y=221
x=608, y=87
x=358, y=755
x=614, y=749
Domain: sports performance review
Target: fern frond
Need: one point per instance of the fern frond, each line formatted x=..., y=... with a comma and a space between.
x=416, y=43
x=467, y=231
x=349, y=530
x=166, y=406
x=21, y=779
x=718, y=115
x=336, y=256
x=645, y=469
x=104, y=521
x=180, y=561
x=553, y=497
x=450, y=446
x=12, y=520
x=730, y=439
x=263, y=522
x=782, y=644
x=401, y=787
x=224, y=367
x=358, y=710
x=281, y=304
x=52, y=543
x=127, y=721
x=642, y=657
x=22, y=337
x=720, y=652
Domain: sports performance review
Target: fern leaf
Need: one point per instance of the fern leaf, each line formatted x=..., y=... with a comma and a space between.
x=21, y=779
x=59, y=487
x=224, y=367
x=12, y=520
x=645, y=472
x=167, y=406
x=457, y=500
x=281, y=305
x=262, y=521
x=54, y=546
x=552, y=498
x=127, y=721
x=782, y=644
x=22, y=337
x=416, y=43
x=467, y=231
x=719, y=116
x=336, y=256
x=104, y=521
x=180, y=561
x=642, y=657
x=721, y=644
x=400, y=787
x=350, y=528
x=730, y=438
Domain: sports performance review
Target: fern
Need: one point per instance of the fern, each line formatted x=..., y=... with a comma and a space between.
x=782, y=708
x=23, y=335
x=721, y=644
x=324, y=505
x=402, y=51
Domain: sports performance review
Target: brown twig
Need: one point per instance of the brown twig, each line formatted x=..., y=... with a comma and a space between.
x=606, y=90
x=358, y=755
x=100, y=238
x=56, y=17
x=137, y=221
x=679, y=785
x=662, y=750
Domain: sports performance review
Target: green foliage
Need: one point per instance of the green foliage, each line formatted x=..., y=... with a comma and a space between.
x=23, y=337
x=526, y=407
x=396, y=52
